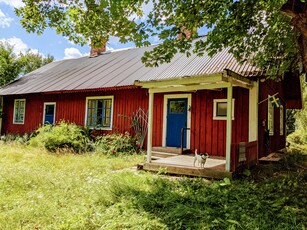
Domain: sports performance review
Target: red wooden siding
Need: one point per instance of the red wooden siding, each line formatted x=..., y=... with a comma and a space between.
x=209, y=135
x=71, y=107
x=277, y=141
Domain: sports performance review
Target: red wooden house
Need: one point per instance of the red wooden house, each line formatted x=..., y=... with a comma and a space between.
x=219, y=102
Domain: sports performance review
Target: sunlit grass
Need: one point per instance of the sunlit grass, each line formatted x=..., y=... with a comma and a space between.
x=39, y=190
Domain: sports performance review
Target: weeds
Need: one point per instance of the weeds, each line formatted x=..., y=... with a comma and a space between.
x=90, y=191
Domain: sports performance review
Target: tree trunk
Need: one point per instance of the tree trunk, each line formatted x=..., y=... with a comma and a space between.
x=297, y=10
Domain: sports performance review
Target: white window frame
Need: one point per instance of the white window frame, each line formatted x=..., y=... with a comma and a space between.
x=49, y=103
x=112, y=108
x=24, y=112
x=216, y=116
x=281, y=120
x=270, y=121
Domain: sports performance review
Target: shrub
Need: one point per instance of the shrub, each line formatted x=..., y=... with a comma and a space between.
x=298, y=140
x=117, y=143
x=63, y=136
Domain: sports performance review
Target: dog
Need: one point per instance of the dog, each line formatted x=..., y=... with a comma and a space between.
x=200, y=158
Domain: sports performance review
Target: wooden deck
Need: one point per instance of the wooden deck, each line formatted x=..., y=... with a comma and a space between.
x=183, y=165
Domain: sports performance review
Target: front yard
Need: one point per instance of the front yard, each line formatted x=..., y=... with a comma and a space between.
x=39, y=190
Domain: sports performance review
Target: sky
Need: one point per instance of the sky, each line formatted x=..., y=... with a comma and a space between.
x=48, y=43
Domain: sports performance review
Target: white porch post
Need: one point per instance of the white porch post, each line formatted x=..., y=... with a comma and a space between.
x=253, y=113
x=150, y=120
x=229, y=127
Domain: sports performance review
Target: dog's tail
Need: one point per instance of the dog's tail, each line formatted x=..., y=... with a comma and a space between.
x=196, y=152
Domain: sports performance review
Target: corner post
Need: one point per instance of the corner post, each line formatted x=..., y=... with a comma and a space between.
x=150, y=125
x=229, y=127
x=253, y=113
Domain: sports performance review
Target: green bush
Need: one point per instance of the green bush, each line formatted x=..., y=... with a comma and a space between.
x=63, y=136
x=298, y=140
x=117, y=143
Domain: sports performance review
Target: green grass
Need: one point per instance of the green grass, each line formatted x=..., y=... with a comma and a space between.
x=39, y=190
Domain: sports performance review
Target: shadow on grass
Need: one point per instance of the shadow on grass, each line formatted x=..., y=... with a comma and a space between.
x=190, y=204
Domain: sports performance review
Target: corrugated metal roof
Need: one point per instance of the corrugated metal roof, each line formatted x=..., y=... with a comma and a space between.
x=121, y=68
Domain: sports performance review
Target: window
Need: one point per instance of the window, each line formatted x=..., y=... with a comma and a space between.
x=99, y=112
x=270, y=117
x=49, y=113
x=19, y=111
x=220, y=109
x=281, y=120
x=177, y=107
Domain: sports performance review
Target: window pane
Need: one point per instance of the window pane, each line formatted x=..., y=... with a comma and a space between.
x=177, y=107
x=270, y=118
x=99, y=113
x=221, y=109
x=19, y=110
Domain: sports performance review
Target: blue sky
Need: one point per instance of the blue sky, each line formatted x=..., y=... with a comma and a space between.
x=48, y=43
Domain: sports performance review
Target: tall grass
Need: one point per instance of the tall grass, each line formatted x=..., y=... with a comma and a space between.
x=93, y=191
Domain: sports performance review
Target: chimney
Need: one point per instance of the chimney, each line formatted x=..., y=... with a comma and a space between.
x=183, y=30
x=97, y=51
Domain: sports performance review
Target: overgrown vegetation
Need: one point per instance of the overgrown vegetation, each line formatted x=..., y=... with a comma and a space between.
x=298, y=139
x=63, y=136
x=117, y=143
x=71, y=138
x=96, y=191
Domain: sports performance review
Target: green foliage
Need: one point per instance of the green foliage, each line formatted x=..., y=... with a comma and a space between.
x=63, y=136
x=95, y=191
x=117, y=143
x=256, y=30
x=31, y=61
x=12, y=66
x=9, y=66
x=22, y=139
x=298, y=139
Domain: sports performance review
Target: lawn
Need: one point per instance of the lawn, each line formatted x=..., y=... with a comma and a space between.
x=39, y=190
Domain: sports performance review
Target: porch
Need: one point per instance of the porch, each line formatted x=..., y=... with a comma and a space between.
x=177, y=99
x=169, y=160
x=183, y=165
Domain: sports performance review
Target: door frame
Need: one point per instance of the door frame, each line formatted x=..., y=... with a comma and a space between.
x=49, y=103
x=175, y=96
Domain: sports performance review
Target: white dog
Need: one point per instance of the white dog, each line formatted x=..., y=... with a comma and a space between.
x=200, y=158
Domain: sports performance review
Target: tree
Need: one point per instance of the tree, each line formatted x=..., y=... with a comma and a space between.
x=9, y=66
x=272, y=33
x=31, y=61
x=13, y=66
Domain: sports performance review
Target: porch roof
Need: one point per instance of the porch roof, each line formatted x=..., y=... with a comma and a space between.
x=210, y=81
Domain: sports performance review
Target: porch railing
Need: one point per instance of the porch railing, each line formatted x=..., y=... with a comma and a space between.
x=244, y=154
x=182, y=138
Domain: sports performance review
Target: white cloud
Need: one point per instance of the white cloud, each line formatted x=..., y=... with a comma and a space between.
x=17, y=43
x=72, y=53
x=19, y=46
x=5, y=21
x=13, y=3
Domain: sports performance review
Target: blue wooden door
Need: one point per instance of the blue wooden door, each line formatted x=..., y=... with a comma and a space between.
x=176, y=120
x=49, y=113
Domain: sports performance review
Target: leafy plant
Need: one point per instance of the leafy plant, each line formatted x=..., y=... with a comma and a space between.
x=63, y=136
x=117, y=143
x=23, y=139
